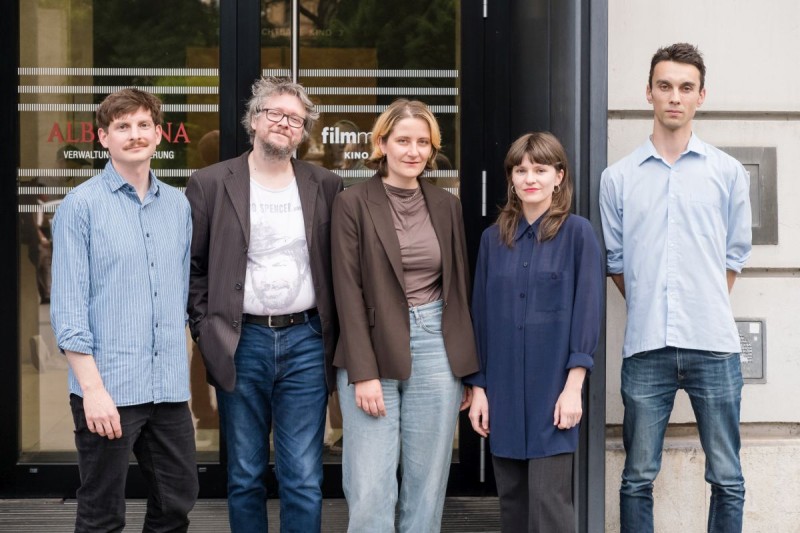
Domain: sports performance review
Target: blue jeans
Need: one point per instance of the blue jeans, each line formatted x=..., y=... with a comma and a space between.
x=713, y=382
x=280, y=383
x=417, y=432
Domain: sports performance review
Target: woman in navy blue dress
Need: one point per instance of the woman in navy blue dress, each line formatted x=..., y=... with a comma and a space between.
x=536, y=306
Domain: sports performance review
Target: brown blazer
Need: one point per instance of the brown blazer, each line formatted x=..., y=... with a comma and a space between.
x=220, y=200
x=368, y=282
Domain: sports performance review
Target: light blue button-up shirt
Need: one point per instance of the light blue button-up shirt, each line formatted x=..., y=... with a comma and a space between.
x=673, y=231
x=120, y=284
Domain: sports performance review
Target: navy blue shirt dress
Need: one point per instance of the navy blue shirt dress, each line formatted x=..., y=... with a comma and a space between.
x=536, y=313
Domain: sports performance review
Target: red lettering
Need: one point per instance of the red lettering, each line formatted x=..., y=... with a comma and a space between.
x=55, y=132
x=87, y=132
x=166, y=132
x=84, y=132
x=71, y=134
x=181, y=134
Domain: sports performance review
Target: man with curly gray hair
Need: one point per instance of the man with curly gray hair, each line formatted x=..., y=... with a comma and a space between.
x=266, y=326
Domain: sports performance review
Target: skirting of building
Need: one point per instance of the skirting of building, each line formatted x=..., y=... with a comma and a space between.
x=770, y=461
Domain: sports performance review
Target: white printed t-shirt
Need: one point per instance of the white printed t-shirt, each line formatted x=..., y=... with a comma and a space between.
x=278, y=279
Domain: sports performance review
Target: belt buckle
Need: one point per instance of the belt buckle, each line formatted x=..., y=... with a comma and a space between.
x=269, y=322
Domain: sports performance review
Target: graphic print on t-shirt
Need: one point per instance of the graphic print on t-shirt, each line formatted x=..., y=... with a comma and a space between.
x=278, y=279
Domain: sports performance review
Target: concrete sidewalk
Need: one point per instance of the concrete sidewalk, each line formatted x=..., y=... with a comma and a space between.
x=461, y=515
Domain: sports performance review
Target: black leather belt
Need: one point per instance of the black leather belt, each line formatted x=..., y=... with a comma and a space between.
x=281, y=321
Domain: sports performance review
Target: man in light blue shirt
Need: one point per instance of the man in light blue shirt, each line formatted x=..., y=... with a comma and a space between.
x=676, y=221
x=118, y=308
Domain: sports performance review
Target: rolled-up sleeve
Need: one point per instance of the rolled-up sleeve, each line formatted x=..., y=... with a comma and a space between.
x=611, y=215
x=739, y=238
x=69, y=309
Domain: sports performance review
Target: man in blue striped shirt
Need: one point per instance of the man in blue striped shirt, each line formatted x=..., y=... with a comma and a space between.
x=120, y=284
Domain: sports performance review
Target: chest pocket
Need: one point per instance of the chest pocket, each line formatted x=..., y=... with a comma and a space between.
x=551, y=291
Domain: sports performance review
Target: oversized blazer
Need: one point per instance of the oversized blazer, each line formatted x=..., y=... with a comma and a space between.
x=368, y=282
x=220, y=200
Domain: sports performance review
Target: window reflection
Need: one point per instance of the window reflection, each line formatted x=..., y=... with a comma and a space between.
x=72, y=54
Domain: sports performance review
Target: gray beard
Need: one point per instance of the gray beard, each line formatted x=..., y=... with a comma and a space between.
x=272, y=151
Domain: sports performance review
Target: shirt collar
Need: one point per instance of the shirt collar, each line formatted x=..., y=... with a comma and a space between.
x=116, y=182
x=648, y=149
x=523, y=226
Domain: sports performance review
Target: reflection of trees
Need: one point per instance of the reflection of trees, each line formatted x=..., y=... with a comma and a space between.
x=154, y=34
x=407, y=34
x=326, y=10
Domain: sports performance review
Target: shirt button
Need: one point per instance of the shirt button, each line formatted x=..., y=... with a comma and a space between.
x=519, y=327
x=156, y=324
x=238, y=286
x=156, y=354
x=525, y=264
x=522, y=295
x=147, y=234
x=553, y=276
x=235, y=323
x=155, y=293
x=152, y=264
x=244, y=249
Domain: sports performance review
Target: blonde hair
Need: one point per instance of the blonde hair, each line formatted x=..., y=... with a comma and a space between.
x=386, y=122
x=545, y=149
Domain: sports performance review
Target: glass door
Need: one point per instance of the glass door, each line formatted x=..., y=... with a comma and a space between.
x=354, y=57
x=73, y=53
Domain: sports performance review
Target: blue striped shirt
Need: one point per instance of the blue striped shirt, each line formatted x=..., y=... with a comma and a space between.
x=120, y=285
x=673, y=231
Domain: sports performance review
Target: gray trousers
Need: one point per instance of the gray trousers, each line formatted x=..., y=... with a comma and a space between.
x=535, y=494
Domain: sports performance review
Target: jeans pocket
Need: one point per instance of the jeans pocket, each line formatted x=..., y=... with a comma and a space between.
x=315, y=325
x=431, y=322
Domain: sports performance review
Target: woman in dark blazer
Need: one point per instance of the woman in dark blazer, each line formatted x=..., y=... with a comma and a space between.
x=400, y=279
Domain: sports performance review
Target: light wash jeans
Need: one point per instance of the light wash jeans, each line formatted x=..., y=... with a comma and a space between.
x=713, y=382
x=417, y=430
x=280, y=385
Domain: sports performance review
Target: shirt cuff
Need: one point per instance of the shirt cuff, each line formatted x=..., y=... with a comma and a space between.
x=735, y=266
x=478, y=379
x=78, y=344
x=580, y=360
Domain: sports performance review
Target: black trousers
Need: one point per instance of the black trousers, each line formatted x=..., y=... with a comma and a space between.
x=161, y=436
x=535, y=494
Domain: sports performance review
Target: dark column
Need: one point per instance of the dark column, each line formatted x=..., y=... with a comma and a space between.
x=9, y=368
x=239, y=66
x=546, y=69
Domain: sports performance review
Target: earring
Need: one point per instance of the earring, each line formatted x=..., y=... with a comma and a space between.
x=556, y=189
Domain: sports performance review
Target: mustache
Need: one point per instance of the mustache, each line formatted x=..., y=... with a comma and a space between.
x=137, y=143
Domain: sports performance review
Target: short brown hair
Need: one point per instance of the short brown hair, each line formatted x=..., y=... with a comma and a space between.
x=386, y=122
x=545, y=149
x=127, y=101
x=685, y=53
